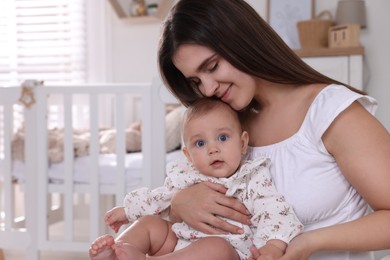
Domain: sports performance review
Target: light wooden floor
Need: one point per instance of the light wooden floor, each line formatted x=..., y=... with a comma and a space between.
x=17, y=255
x=81, y=227
x=57, y=230
x=81, y=231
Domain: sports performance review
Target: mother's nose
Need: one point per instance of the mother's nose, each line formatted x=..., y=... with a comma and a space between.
x=210, y=86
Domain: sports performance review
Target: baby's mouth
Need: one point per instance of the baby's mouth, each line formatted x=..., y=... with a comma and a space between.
x=216, y=163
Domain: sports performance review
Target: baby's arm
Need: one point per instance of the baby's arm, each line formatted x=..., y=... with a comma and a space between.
x=115, y=218
x=275, y=221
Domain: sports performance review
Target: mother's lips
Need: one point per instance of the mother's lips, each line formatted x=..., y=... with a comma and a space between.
x=225, y=95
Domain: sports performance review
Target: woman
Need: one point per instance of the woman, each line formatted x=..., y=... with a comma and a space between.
x=330, y=155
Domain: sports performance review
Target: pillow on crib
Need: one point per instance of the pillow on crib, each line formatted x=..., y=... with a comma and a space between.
x=133, y=133
x=173, y=128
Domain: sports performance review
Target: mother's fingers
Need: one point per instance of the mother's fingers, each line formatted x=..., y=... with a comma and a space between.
x=228, y=202
x=221, y=226
x=218, y=211
x=201, y=205
x=234, y=209
x=215, y=186
x=210, y=230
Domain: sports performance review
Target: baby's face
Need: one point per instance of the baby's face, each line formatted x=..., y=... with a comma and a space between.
x=214, y=143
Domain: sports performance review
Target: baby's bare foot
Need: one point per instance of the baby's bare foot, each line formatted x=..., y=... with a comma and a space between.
x=101, y=248
x=125, y=251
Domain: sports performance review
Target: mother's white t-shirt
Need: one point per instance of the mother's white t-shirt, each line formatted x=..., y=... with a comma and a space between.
x=309, y=177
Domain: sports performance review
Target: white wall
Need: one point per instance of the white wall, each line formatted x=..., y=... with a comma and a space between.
x=134, y=49
x=376, y=41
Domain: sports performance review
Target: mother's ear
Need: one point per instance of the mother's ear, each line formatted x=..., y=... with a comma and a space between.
x=245, y=141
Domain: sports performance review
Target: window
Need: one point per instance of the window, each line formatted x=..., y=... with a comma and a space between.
x=44, y=40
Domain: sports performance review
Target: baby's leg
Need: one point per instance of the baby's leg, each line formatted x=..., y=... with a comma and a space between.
x=149, y=235
x=101, y=248
x=125, y=251
x=215, y=248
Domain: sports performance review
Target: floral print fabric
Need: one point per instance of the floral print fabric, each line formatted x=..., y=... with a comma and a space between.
x=272, y=217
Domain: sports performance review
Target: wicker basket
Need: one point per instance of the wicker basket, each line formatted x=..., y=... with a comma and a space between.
x=314, y=33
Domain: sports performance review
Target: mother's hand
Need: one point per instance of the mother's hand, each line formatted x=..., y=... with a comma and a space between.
x=200, y=205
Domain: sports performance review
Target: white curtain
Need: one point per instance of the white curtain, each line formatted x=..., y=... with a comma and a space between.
x=44, y=40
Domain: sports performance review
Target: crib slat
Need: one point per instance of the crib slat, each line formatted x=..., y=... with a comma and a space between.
x=68, y=170
x=146, y=137
x=10, y=235
x=35, y=150
x=42, y=167
x=94, y=168
x=9, y=200
x=153, y=137
x=120, y=148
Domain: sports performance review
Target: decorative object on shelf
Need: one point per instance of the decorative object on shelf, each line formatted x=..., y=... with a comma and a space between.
x=350, y=18
x=138, y=8
x=141, y=12
x=351, y=12
x=347, y=35
x=152, y=8
x=313, y=33
x=283, y=15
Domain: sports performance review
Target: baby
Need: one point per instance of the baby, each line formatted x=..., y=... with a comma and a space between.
x=215, y=145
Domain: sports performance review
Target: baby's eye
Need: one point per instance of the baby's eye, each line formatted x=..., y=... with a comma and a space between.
x=200, y=143
x=222, y=138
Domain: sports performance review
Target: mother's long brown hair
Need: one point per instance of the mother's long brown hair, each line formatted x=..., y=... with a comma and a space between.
x=235, y=31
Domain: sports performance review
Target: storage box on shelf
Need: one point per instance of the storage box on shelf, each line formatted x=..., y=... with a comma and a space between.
x=347, y=35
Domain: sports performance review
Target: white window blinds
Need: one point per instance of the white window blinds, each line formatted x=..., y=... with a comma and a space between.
x=44, y=40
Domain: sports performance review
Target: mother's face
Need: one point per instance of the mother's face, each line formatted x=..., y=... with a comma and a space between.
x=214, y=76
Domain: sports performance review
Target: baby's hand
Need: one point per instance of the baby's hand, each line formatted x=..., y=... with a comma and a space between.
x=274, y=249
x=115, y=218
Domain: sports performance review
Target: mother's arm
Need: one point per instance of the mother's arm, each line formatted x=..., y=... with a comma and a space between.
x=361, y=147
x=201, y=204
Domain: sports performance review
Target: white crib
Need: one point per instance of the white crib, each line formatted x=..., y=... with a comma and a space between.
x=29, y=230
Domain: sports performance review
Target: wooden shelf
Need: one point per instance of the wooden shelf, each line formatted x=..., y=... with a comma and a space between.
x=320, y=52
x=162, y=10
x=140, y=19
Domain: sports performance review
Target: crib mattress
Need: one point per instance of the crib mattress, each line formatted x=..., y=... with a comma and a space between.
x=107, y=168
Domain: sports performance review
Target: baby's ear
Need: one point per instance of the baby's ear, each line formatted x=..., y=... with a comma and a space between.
x=187, y=154
x=245, y=141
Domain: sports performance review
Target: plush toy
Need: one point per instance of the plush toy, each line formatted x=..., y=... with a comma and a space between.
x=17, y=145
x=56, y=144
x=133, y=133
x=132, y=136
x=27, y=97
